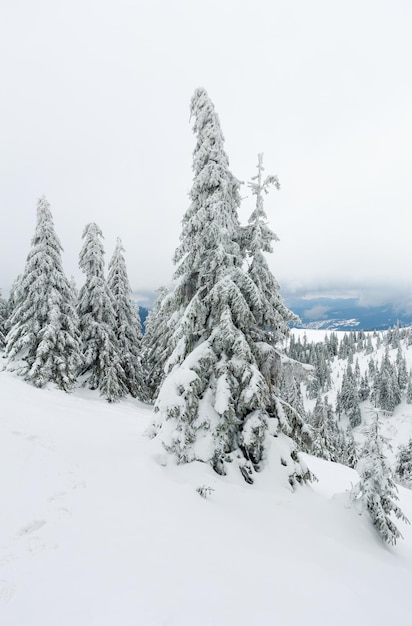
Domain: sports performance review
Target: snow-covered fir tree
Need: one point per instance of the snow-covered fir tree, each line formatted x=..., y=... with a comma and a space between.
x=372, y=369
x=376, y=490
x=357, y=372
x=378, y=337
x=403, y=469
x=319, y=355
x=218, y=394
x=3, y=320
x=348, y=398
x=326, y=441
x=42, y=342
x=364, y=389
x=127, y=324
x=11, y=302
x=156, y=343
x=392, y=338
x=387, y=390
x=321, y=380
x=402, y=370
x=101, y=368
x=369, y=346
x=270, y=314
x=289, y=387
x=290, y=397
x=332, y=344
x=409, y=389
x=347, y=347
x=351, y=451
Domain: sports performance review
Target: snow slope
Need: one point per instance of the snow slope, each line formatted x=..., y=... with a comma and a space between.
x=99, y=527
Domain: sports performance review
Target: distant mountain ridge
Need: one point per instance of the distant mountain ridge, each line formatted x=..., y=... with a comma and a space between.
x=333, y=314
x=345, y=314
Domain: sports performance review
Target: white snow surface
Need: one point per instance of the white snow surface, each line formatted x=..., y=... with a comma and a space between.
x=99, y=527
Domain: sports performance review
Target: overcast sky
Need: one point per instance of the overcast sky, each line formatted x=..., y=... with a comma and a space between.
x=94, y=113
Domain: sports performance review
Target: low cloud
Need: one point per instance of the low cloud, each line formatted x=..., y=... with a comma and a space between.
x=317, y=312
x=397, y=295
x=145, y=298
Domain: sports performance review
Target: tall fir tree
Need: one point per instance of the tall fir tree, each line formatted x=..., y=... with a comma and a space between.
x=42, y=342
x=101, y=368
x=128, y=328
x=376, y=490
x=217, y=397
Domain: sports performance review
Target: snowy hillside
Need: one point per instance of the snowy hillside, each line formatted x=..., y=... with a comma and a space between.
x=397, y=424
x=99, y=527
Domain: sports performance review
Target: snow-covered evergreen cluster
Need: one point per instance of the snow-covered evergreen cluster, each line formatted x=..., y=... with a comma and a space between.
x=384, y=378
x=352, y=377
x=58, y=336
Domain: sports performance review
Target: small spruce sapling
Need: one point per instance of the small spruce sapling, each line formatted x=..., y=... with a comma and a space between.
x=403, y=469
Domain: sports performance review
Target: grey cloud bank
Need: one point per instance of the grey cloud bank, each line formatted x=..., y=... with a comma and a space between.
x=95, y=115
